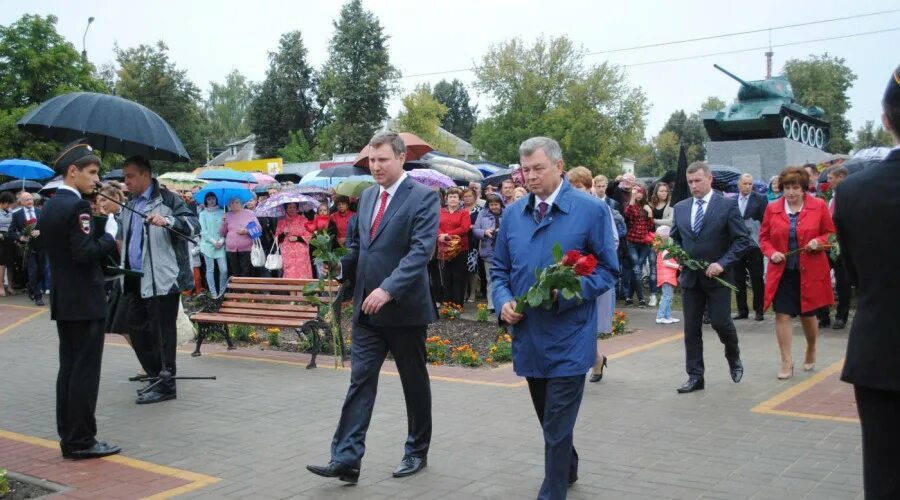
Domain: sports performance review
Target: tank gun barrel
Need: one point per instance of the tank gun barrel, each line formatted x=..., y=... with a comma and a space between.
x=732, y=75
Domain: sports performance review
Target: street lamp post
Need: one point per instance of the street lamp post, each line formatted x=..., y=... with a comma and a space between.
x=83, y=49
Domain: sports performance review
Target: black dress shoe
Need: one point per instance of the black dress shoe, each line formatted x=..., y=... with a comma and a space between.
x=100, y=449
x=759, y=317
x=598, y=376
x=38, y=301
x=336, y=469
x=137, y=378
x=410, y=465
x=692, y=384
x=737, y=370
x=839, y=324
x=706, y=319
x=573, y=478
x=741, y=316
x=155, y=396
x=824, y=323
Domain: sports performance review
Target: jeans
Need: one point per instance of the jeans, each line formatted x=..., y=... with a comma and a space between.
x=651, y=263
x=211, y=276
x=665, y=302
x=638, y=254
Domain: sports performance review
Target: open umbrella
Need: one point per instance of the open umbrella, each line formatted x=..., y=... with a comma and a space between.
x=288, y=177
x=272, y=207
x=23, y=185
x=354, y=186
x=260, y=178
x=25, y=169
x=495, y=180
x=431, y=178
x=342, y=171
x=180, y=180
x=415, y=148
x=114, y=175
x=109, y=123
x=226, y=174
x=52, y=186
x=224, y=191
x=488, y=168
x=458, y=170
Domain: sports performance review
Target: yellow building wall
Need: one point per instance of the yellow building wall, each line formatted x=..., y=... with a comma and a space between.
x=269, y=166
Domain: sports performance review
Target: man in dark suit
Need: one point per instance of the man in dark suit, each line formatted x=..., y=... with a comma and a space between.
x=77, y=300
x=26, y=217
x=397, y=225
x=866, y=204
x=709, y=228
x=752, y=207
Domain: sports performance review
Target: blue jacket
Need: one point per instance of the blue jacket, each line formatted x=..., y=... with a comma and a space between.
x=486, y=220
x=561, y=341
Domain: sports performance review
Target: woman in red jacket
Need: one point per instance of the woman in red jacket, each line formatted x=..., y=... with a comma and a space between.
x=793, y=236
x=455, y=222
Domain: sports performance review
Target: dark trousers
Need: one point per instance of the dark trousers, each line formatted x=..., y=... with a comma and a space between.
x=148, y=319
x=716, y=299
x=370, y=347
x=844, y=294
x=239, y=264
x=878, y=412
x=34, y=267
x=454, y=277
x=80, y=354
x=556, y=402
x=752, y=264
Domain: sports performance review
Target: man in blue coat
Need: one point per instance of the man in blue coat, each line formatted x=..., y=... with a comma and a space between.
x=552, y=348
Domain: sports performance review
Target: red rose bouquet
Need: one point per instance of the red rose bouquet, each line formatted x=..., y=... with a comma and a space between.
x=563, y=275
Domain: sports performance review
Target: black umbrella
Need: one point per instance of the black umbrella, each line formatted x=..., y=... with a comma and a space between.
x=725, y=178
x=681, y=192
x=343, y=171
x=19, y=185
x=109, y=123
x=288, y=178
x=114, y=175
x=495, y=180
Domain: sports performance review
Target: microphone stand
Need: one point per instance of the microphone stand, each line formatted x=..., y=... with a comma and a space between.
x=165, y=376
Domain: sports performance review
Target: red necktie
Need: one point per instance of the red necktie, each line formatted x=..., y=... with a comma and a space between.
x=379, y=215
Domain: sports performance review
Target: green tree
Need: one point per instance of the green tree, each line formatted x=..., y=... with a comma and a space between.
x=147, y=76
x=228, y=109
x=285, y=102
x=867, y=136
x=422, y=115
x=297, y=149
x=712, y=103
x=461, y=115
x=356, y=81
x=546, y=89
x=823, y=81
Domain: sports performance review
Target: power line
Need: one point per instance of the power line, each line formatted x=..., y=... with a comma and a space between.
x=710, y=37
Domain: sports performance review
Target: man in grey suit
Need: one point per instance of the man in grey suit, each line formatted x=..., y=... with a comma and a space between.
x=709, y=227
x=397, y=225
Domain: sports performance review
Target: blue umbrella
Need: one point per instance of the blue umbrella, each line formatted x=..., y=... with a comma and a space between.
x=226, y=174
x=25, y=169
x=321, y=182
x=224, y=191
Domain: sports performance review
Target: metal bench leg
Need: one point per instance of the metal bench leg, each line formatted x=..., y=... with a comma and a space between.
x=200, y=327
x=228, y=341
x=313, y=337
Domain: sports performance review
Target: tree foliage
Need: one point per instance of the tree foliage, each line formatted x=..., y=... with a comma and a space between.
x=228, y=109
x=286, y=99
x=546, y=89
x=147, y=76
x=297, y=149
x=867, y=136
x=461, y=115
x=356, y=81
x=823, y=81
x=712, y=103
x=421, y=115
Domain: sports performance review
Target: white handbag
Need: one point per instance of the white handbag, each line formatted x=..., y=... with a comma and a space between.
x=257, y=254
x=274, y=261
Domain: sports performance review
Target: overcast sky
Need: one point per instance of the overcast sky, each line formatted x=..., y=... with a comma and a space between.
x=210, y=38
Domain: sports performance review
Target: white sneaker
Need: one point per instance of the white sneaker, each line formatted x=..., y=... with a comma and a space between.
x=652, y=300
x=674, y=320
x=662, y=321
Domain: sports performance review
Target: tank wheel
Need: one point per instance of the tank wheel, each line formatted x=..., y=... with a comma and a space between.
x=786, y=125
x=804, y=133
x=795, y=130
x=820, y=138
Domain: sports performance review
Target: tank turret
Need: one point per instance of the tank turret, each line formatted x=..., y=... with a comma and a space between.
x=766, y=109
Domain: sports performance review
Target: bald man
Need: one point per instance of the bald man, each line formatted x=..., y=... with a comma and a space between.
x=752, y=206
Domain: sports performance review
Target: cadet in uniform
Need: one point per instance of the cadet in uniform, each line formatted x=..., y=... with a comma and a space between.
x=77, y=300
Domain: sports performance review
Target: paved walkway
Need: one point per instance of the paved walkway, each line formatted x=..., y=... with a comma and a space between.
x=251, y=432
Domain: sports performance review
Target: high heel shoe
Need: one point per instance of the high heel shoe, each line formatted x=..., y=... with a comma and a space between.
x=596, y=377
x=807, y=366
x=786, y=375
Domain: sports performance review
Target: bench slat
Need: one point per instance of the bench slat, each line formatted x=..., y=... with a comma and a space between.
x=267, y=314
x=247, y=320
x=266, y=287
x=269, y=306
x=268, y=297
x=277, y=281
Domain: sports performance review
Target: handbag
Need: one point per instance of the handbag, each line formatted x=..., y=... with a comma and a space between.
x=274, y=261
x=448, y=249
x=257, y=254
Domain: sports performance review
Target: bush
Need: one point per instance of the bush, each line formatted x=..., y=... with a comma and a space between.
x=273, y=338
x=464, y=355
x=436, y=350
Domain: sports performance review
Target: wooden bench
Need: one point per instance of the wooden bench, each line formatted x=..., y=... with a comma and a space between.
x=266, y=302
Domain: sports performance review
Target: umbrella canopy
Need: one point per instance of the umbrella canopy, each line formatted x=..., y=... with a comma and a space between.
x=260, y=178
x=312, y=191
x=224, y=191
x=109, y=123
x=114, y=175
x=288, y=177
x=431, y=178
x=180, y=180
x=52, y=186
x=488, y=168
x=342, y=171
x=354, y=186
x=495, y=180
x=272, y=207
x=415, y=149
x=725, y=178
x=25, y=169
x=852, y=165
x=226, y=174
x=320, y=183
x=453, y=168
x=22, y=185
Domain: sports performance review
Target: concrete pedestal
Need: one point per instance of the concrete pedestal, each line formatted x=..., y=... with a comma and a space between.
x=763, y=158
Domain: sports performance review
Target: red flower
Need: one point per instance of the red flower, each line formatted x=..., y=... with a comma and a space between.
x=585, y=265
x=321, y=222
x=571, y=258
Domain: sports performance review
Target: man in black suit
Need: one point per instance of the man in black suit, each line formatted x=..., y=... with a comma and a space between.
x=77, y=300
x=866, y=204
x=27, y=216
x=395, y=233
x=752, y=207
x=709, y=228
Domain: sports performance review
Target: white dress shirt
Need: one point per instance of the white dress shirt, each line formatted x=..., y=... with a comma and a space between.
x=550, y=199
x=705, y=206
x=391, y=190
x=742, y=202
